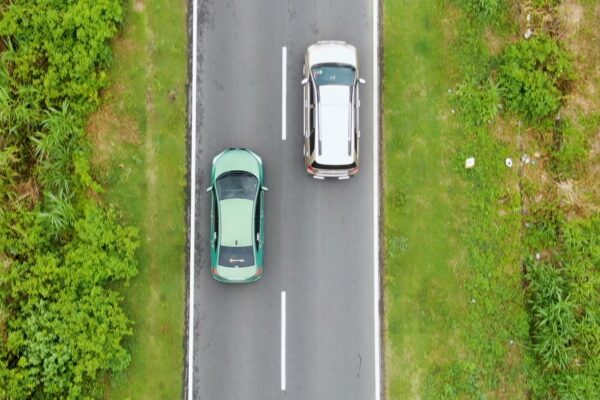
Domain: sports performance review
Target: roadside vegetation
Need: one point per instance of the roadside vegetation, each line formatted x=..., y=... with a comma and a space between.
x=92, y=144
x=138, y=138
x=509, y=309
x=455, y=322
x=63, y=252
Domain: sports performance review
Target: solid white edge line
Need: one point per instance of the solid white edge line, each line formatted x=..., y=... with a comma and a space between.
x=283, y=92
x=376, y=296
x=190, y=349
x=283, y=340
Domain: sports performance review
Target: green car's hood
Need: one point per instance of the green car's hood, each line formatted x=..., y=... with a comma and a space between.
x=236, y=160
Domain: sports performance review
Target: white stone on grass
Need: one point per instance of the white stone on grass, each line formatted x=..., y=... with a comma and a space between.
x=470, y=162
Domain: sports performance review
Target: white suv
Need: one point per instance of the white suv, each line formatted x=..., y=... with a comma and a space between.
x=331, y=105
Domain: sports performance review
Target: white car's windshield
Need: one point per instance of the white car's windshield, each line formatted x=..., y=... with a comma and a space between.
x=333, y=75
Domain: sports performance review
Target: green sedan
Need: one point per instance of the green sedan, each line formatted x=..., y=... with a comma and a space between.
x=237, y=217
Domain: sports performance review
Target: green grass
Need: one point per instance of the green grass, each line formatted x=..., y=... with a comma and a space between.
x=455, y=320
x=424, y=303
x=139, y=148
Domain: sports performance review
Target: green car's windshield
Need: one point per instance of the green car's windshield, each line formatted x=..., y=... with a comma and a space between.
x=333, y=75
x=237, y=185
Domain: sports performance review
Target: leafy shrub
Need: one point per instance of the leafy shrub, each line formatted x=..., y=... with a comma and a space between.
x=61, y=322
x=459, y=379
x=478, y=103
x=8, y=175
x=565, y=318
x=546, y=3
x=472, y=52
x=484, y=10
x=66, y=326
x=571, y=150
x=60, y=48
x=51, y=71
x=533, y=75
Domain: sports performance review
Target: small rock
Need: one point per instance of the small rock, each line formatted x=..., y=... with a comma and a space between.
x=172, y=95
x=525, y=158
x=473, y=301
x=470, y=162
x=528, y=33
x=538, y=256
x=453, y=111
x=449, y=90
x=528, y=17
x=537, y=154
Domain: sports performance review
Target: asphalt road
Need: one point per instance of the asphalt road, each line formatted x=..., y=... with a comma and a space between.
x=319, y=245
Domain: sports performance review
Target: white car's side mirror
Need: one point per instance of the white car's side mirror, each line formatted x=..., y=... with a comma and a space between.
x=265, y=189
x=304, y=81
x=362, y=81
x=209, y=189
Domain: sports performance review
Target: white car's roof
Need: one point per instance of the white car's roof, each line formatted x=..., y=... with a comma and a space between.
x=325, y=52
x=335, y=124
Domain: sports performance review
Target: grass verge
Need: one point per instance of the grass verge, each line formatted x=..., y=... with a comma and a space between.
x=455, y=320
x=139, y=148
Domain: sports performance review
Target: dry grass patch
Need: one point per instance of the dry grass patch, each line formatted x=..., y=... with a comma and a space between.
x=108, y=130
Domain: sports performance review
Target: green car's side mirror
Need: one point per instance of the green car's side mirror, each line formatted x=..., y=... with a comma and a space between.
x=209, y=189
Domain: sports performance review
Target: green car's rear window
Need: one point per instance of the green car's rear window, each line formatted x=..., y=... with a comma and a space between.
x=236, y=256
x=237, y=185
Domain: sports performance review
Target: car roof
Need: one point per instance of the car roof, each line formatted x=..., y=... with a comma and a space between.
x=335, y=125
x=236, y=218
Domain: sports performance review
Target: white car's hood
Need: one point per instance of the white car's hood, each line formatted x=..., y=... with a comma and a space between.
x=332, y=52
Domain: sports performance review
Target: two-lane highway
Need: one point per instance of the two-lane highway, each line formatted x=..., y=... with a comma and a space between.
x=309, y=329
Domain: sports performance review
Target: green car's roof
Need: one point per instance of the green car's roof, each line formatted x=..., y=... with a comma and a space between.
x=236, y=160
x=236, y=222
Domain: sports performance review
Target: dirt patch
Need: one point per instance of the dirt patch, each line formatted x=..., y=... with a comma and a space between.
x=570, y=196
x=581, y=38
x=590, y=179
x=580, y=20
x=508, y=389
x=494, y=42
x=138, y=6
x=28, y=190
x=537, y=19
x=507, y=130
x=571, y=14
x=108, y=130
